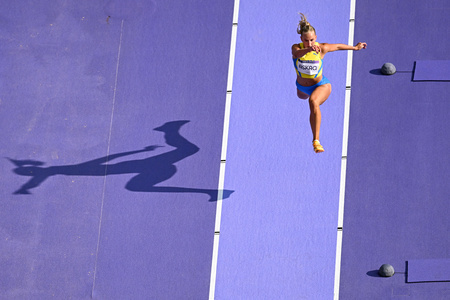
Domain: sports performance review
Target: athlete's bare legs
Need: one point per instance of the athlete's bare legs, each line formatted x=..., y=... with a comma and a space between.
x=317, y=98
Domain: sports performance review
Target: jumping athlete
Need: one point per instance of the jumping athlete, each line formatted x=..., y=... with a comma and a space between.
x=308, y=63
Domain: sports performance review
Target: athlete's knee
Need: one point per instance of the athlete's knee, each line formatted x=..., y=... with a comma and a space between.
x=314, y=102
x=314, y=105
x=317, y=99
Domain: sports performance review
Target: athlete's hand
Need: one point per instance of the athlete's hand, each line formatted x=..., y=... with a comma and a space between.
x=360, y=46
x=315, y=48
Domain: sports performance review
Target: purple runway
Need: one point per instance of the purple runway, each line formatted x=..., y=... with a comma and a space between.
x=278, y=230
x=115, y=136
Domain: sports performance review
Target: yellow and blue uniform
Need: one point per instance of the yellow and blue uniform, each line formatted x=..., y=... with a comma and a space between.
x=309, y=65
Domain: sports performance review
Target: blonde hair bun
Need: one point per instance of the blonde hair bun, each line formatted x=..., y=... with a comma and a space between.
x=304, y=26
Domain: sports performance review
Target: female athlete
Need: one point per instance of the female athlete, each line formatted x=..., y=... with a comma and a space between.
x=311, y=84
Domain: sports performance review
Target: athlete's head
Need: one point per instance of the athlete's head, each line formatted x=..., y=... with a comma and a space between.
x=306, y=31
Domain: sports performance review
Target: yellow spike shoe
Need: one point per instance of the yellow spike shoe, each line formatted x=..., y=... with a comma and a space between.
x=317, y=146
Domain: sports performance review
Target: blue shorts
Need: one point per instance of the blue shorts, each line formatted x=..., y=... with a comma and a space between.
x=309, y=89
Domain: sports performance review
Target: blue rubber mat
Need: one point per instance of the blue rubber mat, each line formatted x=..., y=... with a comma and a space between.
x=428, y=270
x=432, y=70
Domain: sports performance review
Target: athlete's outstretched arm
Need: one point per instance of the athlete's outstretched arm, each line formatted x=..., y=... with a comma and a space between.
x=335, y=47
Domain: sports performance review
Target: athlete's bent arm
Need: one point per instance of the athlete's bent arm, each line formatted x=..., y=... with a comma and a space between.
x=297, y=52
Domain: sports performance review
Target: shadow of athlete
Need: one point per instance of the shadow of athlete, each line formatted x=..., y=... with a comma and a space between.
x=151, y=170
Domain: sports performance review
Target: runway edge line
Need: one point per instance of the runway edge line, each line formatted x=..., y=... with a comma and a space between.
x=226, y=123
x=348, y=85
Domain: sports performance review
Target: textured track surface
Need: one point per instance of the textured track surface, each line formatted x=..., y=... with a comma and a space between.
x=94, y=202
x=83, y=84
x=396, y=204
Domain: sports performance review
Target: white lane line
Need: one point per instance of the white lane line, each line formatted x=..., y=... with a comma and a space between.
x=107, y=155
x=215, y=254
x=351, y=32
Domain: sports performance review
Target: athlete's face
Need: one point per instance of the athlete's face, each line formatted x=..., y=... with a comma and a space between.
x=308, y=38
